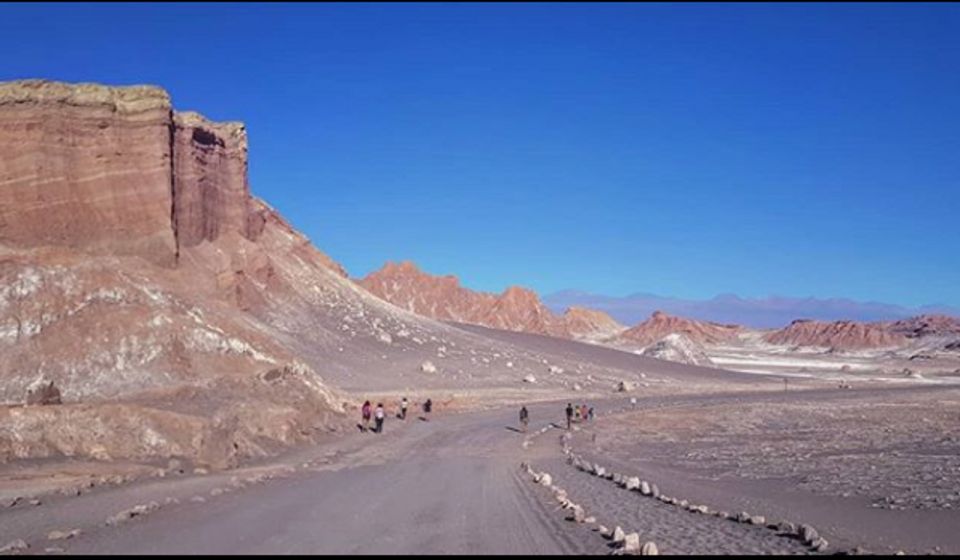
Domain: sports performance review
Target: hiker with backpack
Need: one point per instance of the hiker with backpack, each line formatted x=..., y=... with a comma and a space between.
x=524, y=417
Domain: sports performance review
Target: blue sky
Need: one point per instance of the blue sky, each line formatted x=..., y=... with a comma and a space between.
x=685, y=150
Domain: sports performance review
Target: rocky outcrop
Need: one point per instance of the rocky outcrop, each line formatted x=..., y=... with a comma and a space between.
x=43, y=392
x=838, y=335
x=134, y=261
x=439, y=297
x=211, y=196
x=520, y=309
x=678, y=348
x=659, y=325
x=443, y=298
x=516, y=309
x=925, y=325
x=590, y=324
x=87, y=167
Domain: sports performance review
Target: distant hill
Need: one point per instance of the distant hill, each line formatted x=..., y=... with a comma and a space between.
x=770, y=312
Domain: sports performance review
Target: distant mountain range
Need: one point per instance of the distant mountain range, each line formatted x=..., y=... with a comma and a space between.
x=770, y=312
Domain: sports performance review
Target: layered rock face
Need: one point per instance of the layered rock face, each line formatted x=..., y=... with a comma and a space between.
x=840, y=335
x=87, y=167
x=211, y=194
x=136, y=267
x=660, y=325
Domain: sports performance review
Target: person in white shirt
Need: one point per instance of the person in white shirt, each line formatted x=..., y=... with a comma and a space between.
x=378, y=416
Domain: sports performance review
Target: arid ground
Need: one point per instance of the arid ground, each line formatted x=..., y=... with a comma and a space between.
x=873, y=468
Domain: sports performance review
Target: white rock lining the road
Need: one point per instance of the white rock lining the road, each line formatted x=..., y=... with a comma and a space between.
x=135, y=511
x=626, y=543
x=14, y=547
x=63, y=535
x=804, y=533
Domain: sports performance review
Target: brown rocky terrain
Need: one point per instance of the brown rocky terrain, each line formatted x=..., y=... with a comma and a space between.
x=926, y=325
x=839, y=335
x=660, y=325
x=696, y=342
x=516, y=309
x=152, y=307
x=174, y=313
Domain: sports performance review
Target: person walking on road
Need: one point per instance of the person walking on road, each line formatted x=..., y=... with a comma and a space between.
x=403, y=408
x=569, y=414
x=427, y=406
x=365, y=416
x=524, y=417
x=378, y=416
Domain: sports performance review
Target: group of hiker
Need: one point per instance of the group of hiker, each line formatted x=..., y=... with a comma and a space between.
x=577, y=413
x=378, y=414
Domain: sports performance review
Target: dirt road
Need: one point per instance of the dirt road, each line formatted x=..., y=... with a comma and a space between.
x=444, y=486
x=449, y=485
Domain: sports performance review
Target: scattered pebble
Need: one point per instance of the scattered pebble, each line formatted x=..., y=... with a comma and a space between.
x=63, y=535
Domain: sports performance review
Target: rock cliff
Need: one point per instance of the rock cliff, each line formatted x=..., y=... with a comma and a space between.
x=87, y=167
x=660, y=325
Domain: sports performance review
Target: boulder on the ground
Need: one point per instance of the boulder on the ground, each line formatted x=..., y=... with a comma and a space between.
x=649, y=549
x=808, y=534
x=631, y=543
x=428, y=367
x=42, y=392
x=618, y=535
x=14, y=546
x=578, y=515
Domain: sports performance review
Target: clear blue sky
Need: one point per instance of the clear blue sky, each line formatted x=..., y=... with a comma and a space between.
x=684, y=150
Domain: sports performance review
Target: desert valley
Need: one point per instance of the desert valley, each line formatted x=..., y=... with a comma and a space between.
x=182, y=371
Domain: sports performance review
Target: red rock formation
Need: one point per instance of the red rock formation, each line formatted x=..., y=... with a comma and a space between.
x=591, y=324
x=925, y=325
x=438, y=297
x=520, y=309
x=660, y=325
x=443, y=298
x=133, y=261
x=840, y=335
x=86, y=166
x=211, y=195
